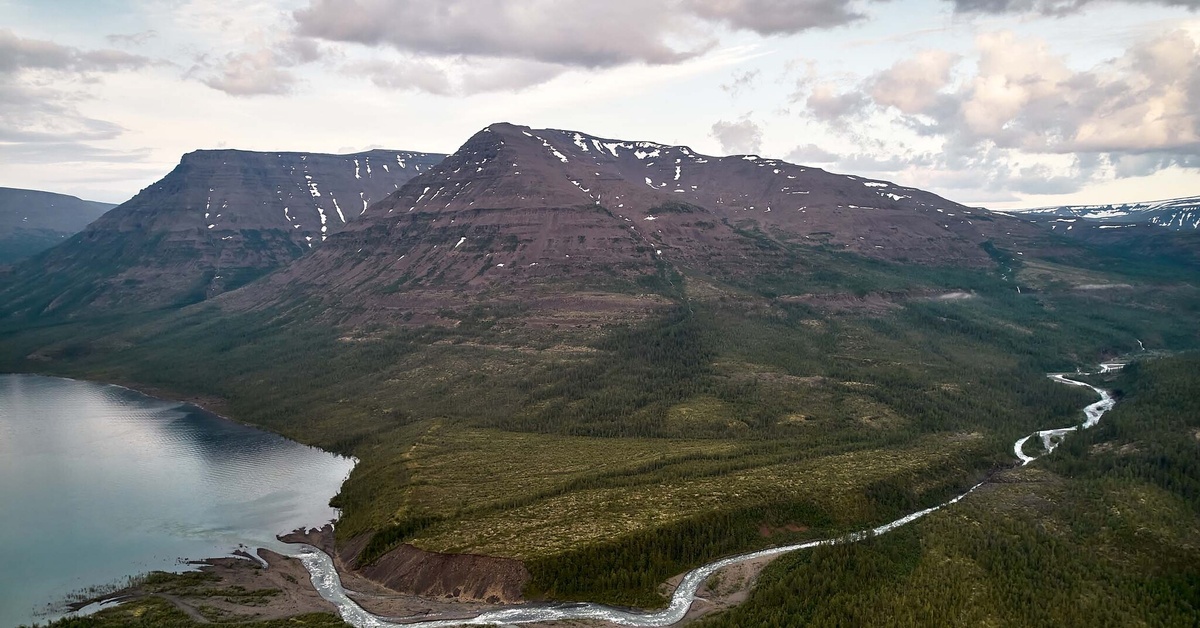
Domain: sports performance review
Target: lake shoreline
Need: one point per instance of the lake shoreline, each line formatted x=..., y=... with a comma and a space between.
x=182, y=431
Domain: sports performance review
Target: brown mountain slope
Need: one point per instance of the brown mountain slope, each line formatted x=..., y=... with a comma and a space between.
x=541, y=216
x=220, y=219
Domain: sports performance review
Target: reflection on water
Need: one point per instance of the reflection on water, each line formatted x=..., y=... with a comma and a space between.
x=98, y=482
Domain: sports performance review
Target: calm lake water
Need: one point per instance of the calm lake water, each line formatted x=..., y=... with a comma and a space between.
x=98, y=483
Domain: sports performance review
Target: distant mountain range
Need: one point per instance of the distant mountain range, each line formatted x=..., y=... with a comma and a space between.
x=220, y=219
x=1177, y=214
x=32, y=221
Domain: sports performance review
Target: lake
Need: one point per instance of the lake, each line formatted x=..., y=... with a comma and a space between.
x=98, y=483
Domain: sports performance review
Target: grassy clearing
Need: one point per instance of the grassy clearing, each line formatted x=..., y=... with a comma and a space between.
x=641, y=497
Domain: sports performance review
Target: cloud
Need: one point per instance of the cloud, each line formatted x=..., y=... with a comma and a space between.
x=41, y=84
x=258, y=72
x=18, y=54
x=775, y=17
x=452, y=78
x=131, y=39
x=56, y=152
x=1019, y=117
x=811, y=154
x=533, y=41
x=1050, y=7
x=741, y=81
x=738, y=138
x=255, y=73
x=827, y=103
x=1022, y=96
x=912, y=85
x=569, y=32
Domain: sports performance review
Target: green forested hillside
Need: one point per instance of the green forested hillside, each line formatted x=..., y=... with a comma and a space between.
x=831, y=397
x=1106, y=531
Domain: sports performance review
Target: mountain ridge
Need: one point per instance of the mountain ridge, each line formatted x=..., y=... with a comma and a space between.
x=516, y=206
x=1177, y=214
x=32, y=221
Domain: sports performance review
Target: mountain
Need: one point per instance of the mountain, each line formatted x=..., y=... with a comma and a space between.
x=612, y=361
x=218, y=220
x=32, y=221
x=1168, y=230
x=523, y=212
x=1177, y=214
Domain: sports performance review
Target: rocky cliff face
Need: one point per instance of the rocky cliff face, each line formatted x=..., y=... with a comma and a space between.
x=32, y=221
x=221, y=218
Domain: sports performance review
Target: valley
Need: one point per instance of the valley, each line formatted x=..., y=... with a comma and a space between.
x=608, y=362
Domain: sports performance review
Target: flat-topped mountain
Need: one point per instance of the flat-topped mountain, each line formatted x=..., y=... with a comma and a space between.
x=519, y=210
x=218, y=220
x=32, y=221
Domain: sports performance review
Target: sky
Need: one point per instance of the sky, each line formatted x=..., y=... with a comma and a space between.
x=1000, y=103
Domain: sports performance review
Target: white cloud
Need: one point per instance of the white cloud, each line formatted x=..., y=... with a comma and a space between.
x=1020, y=117
x=912, y=85
x=42, y=83
x=253, y=73
x=569, y=32
x=740, y=137
x=529, y=42
x=1050, y=7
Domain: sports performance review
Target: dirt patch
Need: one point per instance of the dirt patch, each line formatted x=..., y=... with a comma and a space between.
x=1104, y=286
x=411, y=571
x=456, y=576
x=954, y=296
x=235, y=589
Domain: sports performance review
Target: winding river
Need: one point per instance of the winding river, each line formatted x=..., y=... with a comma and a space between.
x=328, y=584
